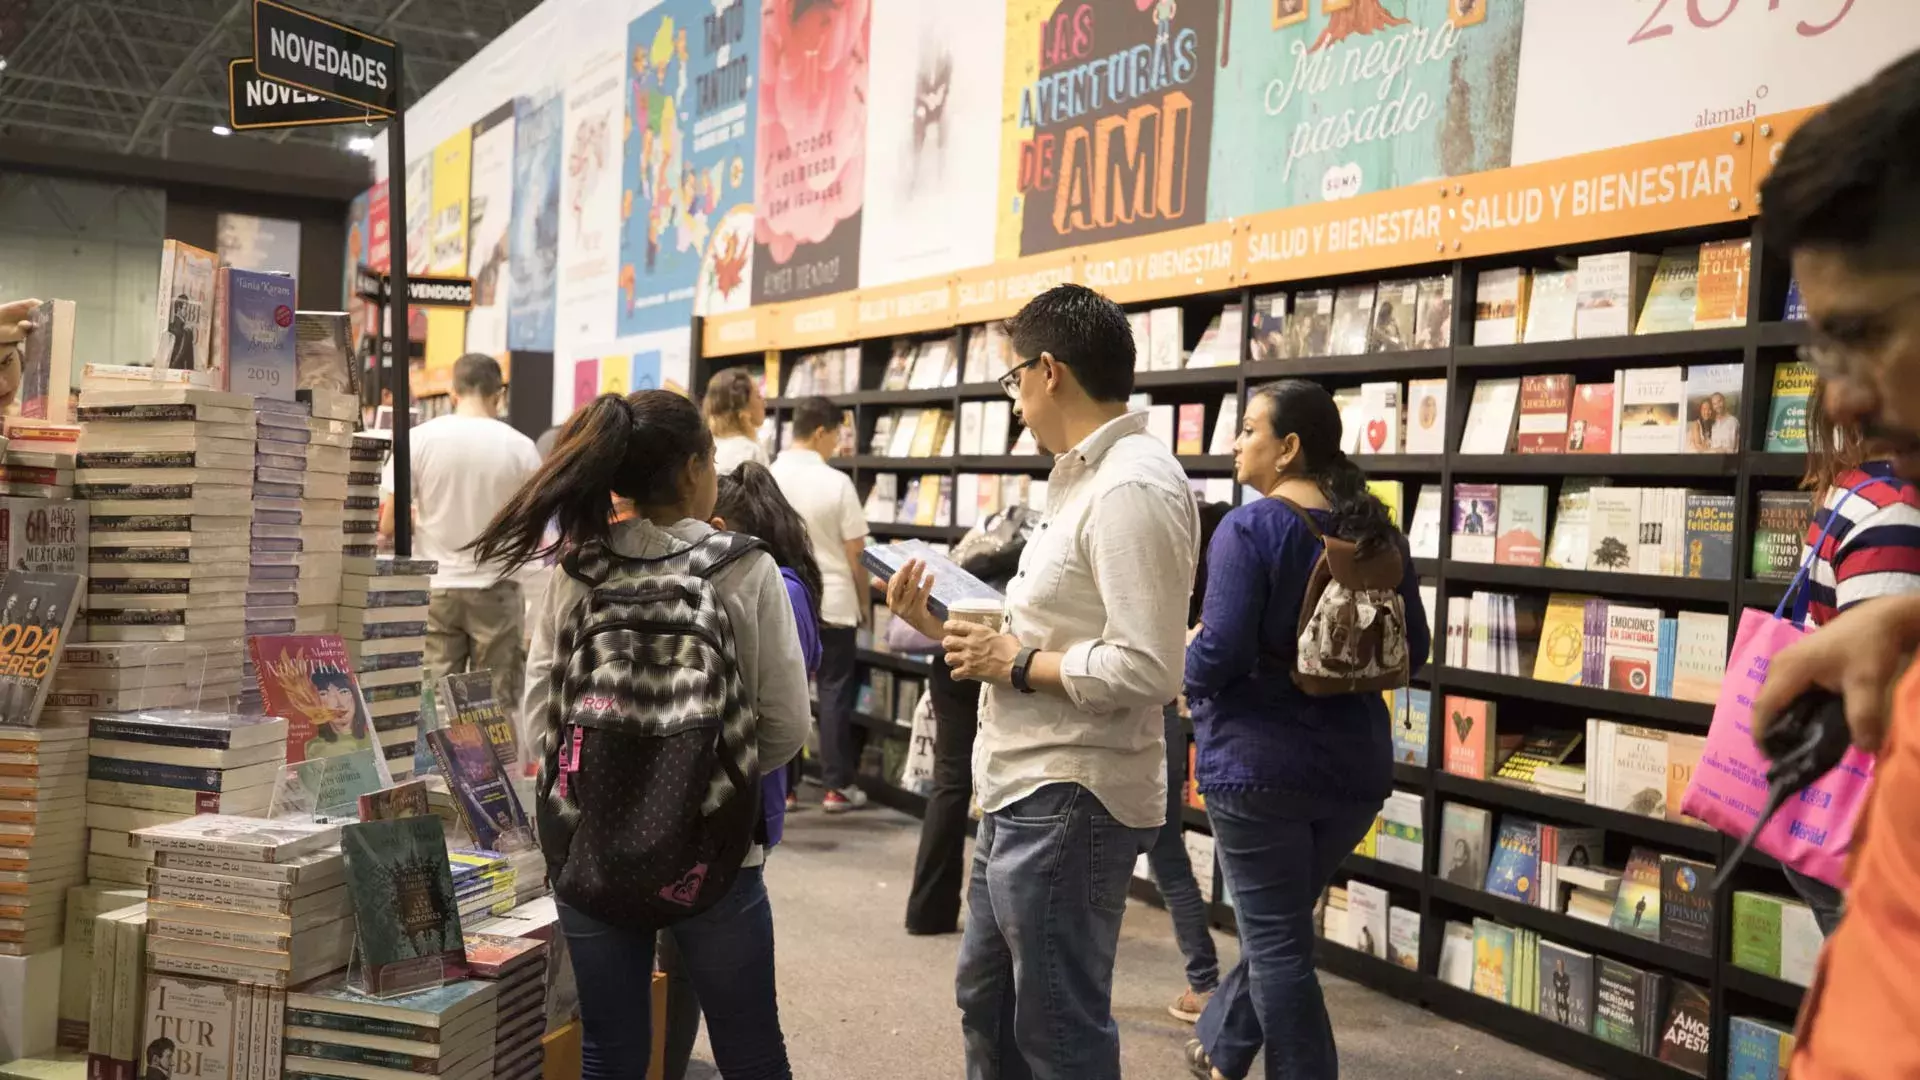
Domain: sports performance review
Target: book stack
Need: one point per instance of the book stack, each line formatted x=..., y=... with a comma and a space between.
x=85, y=903
x=518, y=968
x=482, y=883
x=366, y=456
x=447, y=1031
x=247, y=900
x=328, y=504
x=277, y=532
x=215, y=1027
x=158, y=766
x=116, y=988
x=169, y=473
x=42, y=833
x=383, y=619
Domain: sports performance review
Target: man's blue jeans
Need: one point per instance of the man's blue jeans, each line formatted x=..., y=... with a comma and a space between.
x=1279, y=853
x=727, y=952
x=1173, y=872
x=1035, y=980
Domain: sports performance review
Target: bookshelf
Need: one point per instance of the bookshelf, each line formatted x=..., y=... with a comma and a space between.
x=1758, y=347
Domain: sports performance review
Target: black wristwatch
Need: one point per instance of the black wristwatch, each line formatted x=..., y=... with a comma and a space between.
x=1022, y=667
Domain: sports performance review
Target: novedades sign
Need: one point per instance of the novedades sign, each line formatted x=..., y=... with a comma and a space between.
x=324, y=57
x=254, y=102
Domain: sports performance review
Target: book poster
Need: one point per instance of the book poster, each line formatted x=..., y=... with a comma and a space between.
x=537, y=134
x=419, y=235
x=933, y=98
x=613, y=375
x=590, y=204
x=308, y=681
x=452, y=167
x=378, y=258
x=1108, y=115
x=357, y=231
x=687, y=163
x=489, y=224
x=810, y=171
x=586, y=382
x=1315, y=104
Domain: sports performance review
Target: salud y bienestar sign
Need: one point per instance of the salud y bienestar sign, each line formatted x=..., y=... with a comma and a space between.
x=325, y=57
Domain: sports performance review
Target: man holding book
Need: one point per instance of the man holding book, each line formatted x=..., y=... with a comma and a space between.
x=1070, y=762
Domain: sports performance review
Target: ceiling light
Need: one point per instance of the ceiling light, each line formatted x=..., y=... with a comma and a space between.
x=3, y=63
x=222, y=129
x=361, y=144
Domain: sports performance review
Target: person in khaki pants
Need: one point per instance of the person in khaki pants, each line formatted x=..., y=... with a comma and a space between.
x=466, y=465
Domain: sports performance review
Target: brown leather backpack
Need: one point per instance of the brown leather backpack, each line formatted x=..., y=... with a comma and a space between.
x=1353, y=622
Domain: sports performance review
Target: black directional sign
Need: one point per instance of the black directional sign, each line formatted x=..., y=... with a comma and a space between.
x=422, y=290
x=325, y=57
x=254, y=102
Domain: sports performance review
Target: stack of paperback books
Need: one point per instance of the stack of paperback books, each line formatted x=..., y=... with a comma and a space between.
x=222, y=1028
x=367, y=456
x=169, y=473
x=140, y=676
x=329, y=473
x=274, y=555
x=518, y=967
x=383, y=618
x=247, y=900
x=446, y=1031
x=116, y=987
x=43, y=785
x=152, y=768
x=482, y=883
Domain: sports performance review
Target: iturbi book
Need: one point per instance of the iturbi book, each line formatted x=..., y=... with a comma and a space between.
x=307, y=679
x=485, y=797
x=468, y=698
x=405, y=910
x=195, y=1028
x=253, y=342
x=36, y=613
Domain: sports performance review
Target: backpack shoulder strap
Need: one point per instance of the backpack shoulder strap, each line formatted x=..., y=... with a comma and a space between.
x=719, y=551
x=1301, y=513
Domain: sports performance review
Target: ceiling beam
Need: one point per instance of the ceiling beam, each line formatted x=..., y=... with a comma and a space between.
x=185, y=72
x=81, y=84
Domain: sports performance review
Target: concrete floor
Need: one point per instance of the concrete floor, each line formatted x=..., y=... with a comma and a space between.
x=861, y=1000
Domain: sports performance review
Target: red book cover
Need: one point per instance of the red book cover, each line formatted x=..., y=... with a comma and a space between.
x=1544, y=401
x=1193, y=429
x=307, y=680
x=1590, y=420
x=1469, y=737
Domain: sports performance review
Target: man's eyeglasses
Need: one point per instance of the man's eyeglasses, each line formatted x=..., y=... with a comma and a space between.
x=1010, y=382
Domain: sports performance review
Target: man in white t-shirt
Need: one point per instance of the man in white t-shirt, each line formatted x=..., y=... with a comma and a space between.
x=837, y=528
x=465, y=467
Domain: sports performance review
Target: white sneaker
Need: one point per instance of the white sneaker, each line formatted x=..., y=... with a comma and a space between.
x=844, y=799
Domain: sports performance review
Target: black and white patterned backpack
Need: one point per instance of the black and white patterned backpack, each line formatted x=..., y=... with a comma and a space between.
x=649, y=793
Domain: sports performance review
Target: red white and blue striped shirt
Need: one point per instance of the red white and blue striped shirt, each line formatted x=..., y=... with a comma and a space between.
x=1874, y=549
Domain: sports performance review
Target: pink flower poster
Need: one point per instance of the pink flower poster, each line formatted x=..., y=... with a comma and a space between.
x=810, y=160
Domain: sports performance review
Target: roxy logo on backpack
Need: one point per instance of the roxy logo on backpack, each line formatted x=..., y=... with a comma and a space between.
x=649, y=798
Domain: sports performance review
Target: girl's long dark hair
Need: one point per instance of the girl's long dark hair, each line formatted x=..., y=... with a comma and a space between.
x=751, y=502
x=1304, y=409
x=637, y=447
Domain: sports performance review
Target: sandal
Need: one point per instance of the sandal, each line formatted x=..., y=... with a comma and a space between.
x=1197, y=1061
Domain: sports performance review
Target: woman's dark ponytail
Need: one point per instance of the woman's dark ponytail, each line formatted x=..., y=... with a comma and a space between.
x=1305, y=410
x=637, y=447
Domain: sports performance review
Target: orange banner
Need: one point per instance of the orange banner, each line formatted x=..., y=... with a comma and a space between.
x=1677, y=183
x=1198, y=259
x=810, y=324
x=907, y=308
x=1770, y=137
x=739, y=332
x=1401, y=227
x=998, y=290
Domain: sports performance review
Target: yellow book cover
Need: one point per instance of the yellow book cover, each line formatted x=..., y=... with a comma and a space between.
x=1370, y=844
x=926, y=433
x=928, y=510
x=1392, y=495
x=1720, y=298
x=1562, y=639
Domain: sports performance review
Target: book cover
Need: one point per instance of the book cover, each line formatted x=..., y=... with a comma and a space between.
x=1619, y=1004
x=1686, y=904
x=1380, y=418
x=1787, y=407
x=1700, y=655
x=1538, y=750
x=1683, y=756
x=1779, y=533
x=1612, y=288
x=1466, y=832
x=1410, y=728
x=1721, y=298
x=323, y=353
x=1636, y=771
x=1562, y=640
x=404, y=907
x=1713, y=409
x=1757, y=1049
x=309, y=681
x=469, y=698
x=1687, y=1036
x=1514, y=869
x=1433, y=329
x=1352, y=320
x=1226, y=426
x=1367, y=918
x=1423, y=532
x=1456, y=955
x=1669, y=307
x=1476, y=521
x=1490, y=417
x=407, y=799
x=1709, y=536
x=46, y=363
x=192, y=1029
x=1756, y=932
x=1590, y=419
x=1311, y=323
x=1636, y=907
x=1403, y=937
x=332, y=785
x=1426, y=416
x=488, y=804
x=1650, y=404
x=1613, y=529
x=235, y=837
x=1566, y=986
x=36, y=616
x=1400, y=836
x=1550, y=308
x=1395, y=307
x=1499, y=306
x=1492, y=960
x=1470, y=732
x=185, y=324
x=1269, y=340
x=1544, y=404
x=44, y=535
x=1168, y=329
x=1191, y=432
x=1521, y=540
x=254, y=350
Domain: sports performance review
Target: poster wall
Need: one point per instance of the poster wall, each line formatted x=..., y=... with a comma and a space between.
x=811, y=148
x=489, y=224
x=452, y=175
x=534, y=234
x=934, y=86
x=1311, y=105
x=686, y=198
x=590, y=204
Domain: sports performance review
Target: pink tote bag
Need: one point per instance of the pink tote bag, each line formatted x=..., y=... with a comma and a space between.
x=1813, y=831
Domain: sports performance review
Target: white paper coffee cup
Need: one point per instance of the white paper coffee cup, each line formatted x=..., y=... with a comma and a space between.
x=991, y=614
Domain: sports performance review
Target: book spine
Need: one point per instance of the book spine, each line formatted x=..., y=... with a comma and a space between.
x=257, y=1056
x=129, y=1001
x=200, y=864
x=122, y=770
x=169, y=889
x=215, y=884
x=267, y=940
x=362, y=1025
x=193, y=967
x=236, y=849
x=380, y=1059
x=169, y=800
x=107, y=727
x=242, y=1058
x=276, y=1033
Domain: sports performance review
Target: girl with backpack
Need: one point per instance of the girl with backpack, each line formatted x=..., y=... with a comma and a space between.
x=666, y=677
x=1293, y=778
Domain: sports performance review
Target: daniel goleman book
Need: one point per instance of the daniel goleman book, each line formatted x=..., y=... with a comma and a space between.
x=253, y=343
x=403, y=902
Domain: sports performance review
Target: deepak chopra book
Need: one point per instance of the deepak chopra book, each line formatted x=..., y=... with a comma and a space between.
x=307, y=679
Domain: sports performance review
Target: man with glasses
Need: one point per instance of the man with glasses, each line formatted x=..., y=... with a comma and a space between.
x=1070, y=762
x=1844, y=200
